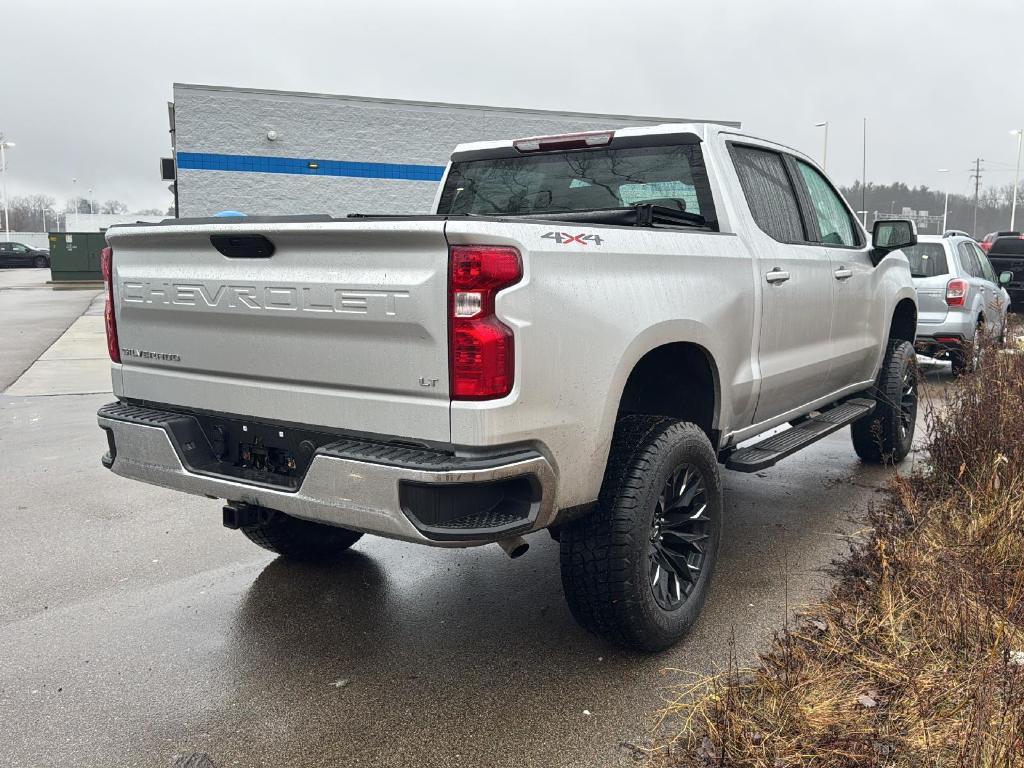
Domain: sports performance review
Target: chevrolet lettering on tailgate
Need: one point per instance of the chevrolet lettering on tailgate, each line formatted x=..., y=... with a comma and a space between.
x=321, y=299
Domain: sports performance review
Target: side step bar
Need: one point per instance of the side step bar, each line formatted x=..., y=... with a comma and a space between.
x=774, y=449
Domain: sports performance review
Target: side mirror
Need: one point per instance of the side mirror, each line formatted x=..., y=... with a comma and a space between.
x=1005, y=277
x=891, y=234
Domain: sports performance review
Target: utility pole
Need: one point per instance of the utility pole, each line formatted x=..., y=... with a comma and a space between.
x=1019, y=133
x=977, y=192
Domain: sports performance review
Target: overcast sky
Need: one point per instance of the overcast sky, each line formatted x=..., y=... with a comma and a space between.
x=84, y=85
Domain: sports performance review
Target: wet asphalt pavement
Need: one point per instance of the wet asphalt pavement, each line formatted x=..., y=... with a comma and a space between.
x=134, y=628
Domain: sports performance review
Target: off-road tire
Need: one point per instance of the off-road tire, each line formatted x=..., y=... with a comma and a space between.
x=296, y=539
x=40, y=262
x=604, y=556
x=878, y=437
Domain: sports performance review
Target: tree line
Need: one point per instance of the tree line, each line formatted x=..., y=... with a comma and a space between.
x=36, y=213
x=993, y=205
x=39, y=213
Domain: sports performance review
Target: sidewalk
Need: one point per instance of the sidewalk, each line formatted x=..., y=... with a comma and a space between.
x=75, y=364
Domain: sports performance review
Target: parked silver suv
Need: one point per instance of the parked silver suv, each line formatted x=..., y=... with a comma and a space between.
x=958, y=293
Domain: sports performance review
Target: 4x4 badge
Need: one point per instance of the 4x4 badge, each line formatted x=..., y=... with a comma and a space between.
x=564, y=238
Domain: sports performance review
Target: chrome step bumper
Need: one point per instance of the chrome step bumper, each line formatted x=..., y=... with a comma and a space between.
x=355, y=484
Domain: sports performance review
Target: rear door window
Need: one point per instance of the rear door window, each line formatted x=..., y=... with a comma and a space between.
x=986, y=266
x=969, y=261
x=769, y=193
x=927, y=260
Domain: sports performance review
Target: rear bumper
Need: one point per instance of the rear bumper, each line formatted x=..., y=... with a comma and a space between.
x=938, y=339
x=938, y=346
x=419, y=495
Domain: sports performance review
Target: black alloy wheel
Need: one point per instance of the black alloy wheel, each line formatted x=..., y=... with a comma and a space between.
x=679, y=533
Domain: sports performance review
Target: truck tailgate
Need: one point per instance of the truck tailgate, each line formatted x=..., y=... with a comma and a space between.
x=344, y=326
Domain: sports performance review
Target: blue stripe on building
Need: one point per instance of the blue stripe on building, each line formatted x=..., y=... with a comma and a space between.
x=204, y=161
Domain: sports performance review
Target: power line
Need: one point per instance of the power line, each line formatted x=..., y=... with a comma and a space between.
x=977, y=191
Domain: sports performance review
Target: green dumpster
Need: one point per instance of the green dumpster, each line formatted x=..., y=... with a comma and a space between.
x=76, y=256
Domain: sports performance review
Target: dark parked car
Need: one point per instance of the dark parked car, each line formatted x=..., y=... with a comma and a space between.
x=1007, y=255
x=991, y=237
x=20, y=255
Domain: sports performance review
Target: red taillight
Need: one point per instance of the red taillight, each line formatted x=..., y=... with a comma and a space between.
x=985, y=245
x=956, y=292
x=107, y=265
x=481, y=347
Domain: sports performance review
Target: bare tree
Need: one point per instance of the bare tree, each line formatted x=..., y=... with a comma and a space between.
x=33, y=213
x=113, y=207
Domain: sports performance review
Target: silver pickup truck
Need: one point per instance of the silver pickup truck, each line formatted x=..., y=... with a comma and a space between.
x=586, y=328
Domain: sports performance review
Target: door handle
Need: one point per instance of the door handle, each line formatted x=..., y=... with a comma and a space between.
x=843, y=273
x=777, y=276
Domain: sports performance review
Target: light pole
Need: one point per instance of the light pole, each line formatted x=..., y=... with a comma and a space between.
x=91, y=211
x=945, y=204
x=824, y=153
x=864, y=174
x=1019, y=133
x=4, y=145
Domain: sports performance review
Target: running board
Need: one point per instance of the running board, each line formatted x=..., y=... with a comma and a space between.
x=774, y=449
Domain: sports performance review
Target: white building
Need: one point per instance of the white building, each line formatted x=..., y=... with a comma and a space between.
x=97, y=222
x=273, y=152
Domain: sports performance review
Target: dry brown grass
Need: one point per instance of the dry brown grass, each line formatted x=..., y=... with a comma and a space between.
x=917, y=656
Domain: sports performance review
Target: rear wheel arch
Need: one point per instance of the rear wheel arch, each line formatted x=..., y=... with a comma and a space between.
x=904, y=321
x=679, y=380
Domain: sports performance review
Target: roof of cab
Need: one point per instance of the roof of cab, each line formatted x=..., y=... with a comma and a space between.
x=701, y=131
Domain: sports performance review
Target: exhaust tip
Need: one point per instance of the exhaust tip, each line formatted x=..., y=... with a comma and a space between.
x=514, y=547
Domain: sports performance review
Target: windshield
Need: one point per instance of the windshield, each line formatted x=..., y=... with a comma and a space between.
x=926, y=259
x=593, y=179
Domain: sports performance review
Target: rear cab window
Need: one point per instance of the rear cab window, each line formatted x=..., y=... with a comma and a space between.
x=1007, y=245
x=607, y=178
x=927, y=260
